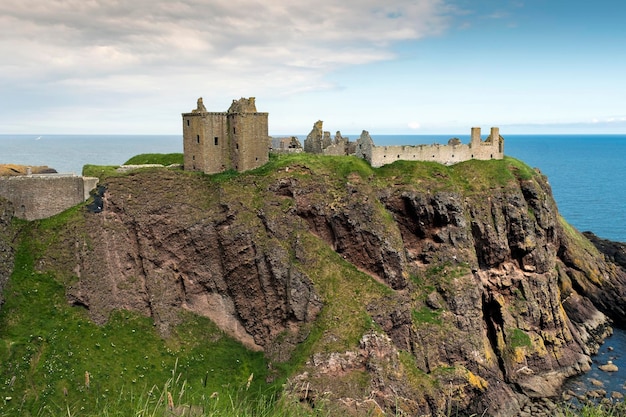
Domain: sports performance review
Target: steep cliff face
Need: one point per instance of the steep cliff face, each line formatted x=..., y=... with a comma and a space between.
x=418, y=287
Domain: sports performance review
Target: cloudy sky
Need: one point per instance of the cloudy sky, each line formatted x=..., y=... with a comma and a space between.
x=390, y=67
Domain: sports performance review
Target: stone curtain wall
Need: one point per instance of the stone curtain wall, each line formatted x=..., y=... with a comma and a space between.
x=40, y=196
x=377, y=156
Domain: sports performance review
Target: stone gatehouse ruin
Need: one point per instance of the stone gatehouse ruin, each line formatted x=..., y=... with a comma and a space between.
x=237, y=139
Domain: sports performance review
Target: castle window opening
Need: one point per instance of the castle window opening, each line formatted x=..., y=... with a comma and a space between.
x=237, y=146
x=215, y=140
x=234, y=130
x=398, y=156
x=198, y=138
x=187, y=122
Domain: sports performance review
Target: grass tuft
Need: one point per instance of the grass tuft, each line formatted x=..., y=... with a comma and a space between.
x=156, y=158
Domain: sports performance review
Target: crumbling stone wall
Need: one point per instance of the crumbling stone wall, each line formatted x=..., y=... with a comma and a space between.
x=40, y=196
x=452, y=153
x=315, y=138
x=319, y=141
x=289, y=144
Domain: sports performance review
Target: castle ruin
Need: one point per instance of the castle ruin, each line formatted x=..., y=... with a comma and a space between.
x=238, y=139
x=454, y=152
x=219, y=141
x=318, y=141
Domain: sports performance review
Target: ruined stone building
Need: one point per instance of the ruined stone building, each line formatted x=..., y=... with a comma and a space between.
x=319, y=141
x=218, y=141
x=454, y=152
x=290, y=144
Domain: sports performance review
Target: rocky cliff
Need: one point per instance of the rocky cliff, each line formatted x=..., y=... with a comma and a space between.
x=414, y=288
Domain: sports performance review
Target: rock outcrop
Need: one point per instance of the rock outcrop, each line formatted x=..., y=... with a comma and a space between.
x=13, y=170
x=458, y=288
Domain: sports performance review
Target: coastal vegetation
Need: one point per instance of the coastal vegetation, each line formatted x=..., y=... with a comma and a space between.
x=55, y=360
x=164, y=159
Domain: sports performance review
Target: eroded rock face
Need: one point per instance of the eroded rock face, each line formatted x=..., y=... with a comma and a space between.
x=488, y=294
x=211, y=260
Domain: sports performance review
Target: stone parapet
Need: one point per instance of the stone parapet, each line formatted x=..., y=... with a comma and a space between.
x=452, y=153
x=40, y=196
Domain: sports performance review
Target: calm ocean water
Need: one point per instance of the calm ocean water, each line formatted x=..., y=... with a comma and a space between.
x=587, y=174
x=68, y=153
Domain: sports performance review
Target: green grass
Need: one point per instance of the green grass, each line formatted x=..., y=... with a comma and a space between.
x=426, y=315
x=336, y=166
x=467, y=177
x=346, y=291
x=577, y=238
x=156, y=158
x=100, y=171
x=518, y=338
x=105, y=171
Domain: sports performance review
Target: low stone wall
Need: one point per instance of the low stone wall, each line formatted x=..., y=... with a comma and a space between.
x=128, y=168
x=443, y=154
x=452, y=153
x=40, y=196
x=286, y=150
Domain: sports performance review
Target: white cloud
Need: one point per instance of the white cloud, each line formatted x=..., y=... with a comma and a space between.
x=100, y=37
x=77, y=52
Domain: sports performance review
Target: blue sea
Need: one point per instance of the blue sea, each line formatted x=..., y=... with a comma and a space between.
x=587, y=174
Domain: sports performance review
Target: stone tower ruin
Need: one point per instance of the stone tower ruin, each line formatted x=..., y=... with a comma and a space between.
x=219, y=141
